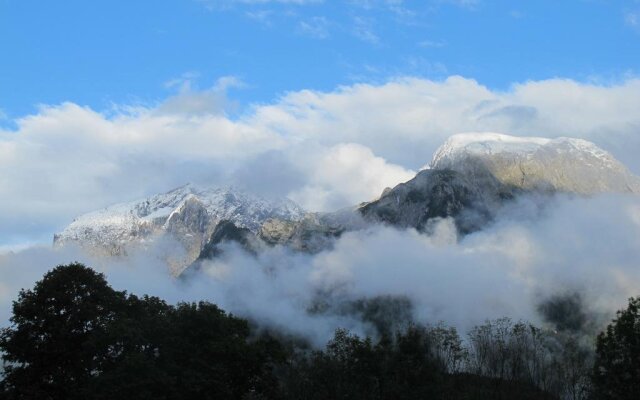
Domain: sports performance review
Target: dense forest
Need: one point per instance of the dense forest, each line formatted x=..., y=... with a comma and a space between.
x=74, y=337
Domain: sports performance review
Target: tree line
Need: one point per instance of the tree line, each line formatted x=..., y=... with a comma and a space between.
x=72, y=336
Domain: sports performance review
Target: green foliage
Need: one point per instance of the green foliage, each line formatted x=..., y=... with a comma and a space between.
x=414, y=364
x=616, y=373
x=206, y=354
x=57, y=342
x=356, y=368
x=74, y=337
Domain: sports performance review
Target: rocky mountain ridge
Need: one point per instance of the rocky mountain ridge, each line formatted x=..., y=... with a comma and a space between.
x=471, y=176
x=530, y=163
x=188, y=215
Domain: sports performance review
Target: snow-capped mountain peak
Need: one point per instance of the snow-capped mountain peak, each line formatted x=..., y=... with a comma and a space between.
x=489, y=143
x=470, y=178
x=560, y=164
x=188, y=213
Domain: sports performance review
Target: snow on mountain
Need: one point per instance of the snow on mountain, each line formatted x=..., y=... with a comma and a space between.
x=473, y=175
x=470, y=178
x=533, y=163
x=187, y=214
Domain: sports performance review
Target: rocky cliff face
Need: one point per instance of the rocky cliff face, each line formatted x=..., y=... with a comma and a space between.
x=188, y=215
x=470, y=178
x=313, y=233
x=558, y=165
x=435, y=194
x=472, y=175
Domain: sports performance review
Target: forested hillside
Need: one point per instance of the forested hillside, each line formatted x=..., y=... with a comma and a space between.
x=74, y=337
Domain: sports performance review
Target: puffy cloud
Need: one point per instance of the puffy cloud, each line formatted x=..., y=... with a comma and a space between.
x=70, y=159
x=343, y=173
x=325, y=149
x=190, y=101
x=406, y=119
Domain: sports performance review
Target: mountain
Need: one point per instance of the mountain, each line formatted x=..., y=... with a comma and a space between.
x=470, y=178
x=188, y=214
x=532, y=163
x=431, y=195
x=314, y=232
x=472, y=175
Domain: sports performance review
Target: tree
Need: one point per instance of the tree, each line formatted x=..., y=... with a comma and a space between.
x=74, y=337
x=616, y=373
x=208, y=355
x=399, y=367
x=134, y=340
x=56, y=342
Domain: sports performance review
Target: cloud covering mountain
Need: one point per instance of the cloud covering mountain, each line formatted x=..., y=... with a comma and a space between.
x=536, y=250
x=322, y=149
x=326, y=150
x=537, y=245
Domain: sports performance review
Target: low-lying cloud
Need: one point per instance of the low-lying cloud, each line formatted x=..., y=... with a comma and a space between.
x=537, y=250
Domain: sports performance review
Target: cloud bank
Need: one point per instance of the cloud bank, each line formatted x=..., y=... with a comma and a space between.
x=535, y=251
x=325, y=150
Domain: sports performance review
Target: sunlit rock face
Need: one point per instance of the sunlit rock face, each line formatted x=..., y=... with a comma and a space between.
x=530, y=163
x=472, y=175
x=187, y=216
x=432, y=194
x=470, y=178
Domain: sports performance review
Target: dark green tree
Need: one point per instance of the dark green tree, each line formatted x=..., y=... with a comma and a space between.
x=74, y=337
x=134, y=340
x=616, y=373
x=208, y=354
x=56, y=343
x=399, y=367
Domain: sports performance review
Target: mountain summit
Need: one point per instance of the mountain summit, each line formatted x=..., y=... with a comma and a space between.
x=473, y=174
x=470, y=178
x=188, y=214
x=533, y=163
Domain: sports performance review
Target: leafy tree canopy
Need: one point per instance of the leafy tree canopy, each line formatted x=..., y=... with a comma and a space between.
x=74, y=337
x=616, y=372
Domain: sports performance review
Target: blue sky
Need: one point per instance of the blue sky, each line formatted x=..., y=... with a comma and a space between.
x=324, y=102
x=99, y=53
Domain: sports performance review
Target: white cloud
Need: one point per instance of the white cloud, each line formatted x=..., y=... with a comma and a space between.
x=221, y=4
x=590, y=246
x=316, y=27
x=632, y=19
x=468, y=4
x=191, y=101
x=325, y=149
x=363, y=29
x=432, y=43
x=262, y=16
x=345, y=172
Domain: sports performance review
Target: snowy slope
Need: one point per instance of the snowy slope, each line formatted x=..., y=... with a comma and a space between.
x=470, y=178
x=561, y=164
x=473, y=175
x=188, y=214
